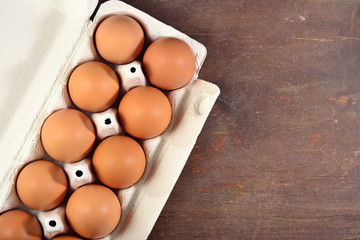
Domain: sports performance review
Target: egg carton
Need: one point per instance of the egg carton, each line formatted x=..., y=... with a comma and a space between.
x=66, y=40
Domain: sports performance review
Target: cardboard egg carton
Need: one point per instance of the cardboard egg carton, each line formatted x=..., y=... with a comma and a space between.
x=57, y=37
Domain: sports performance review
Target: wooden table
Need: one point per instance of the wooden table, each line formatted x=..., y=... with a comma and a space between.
x=279, y=157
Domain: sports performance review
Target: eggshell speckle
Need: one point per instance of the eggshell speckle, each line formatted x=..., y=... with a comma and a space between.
x=169, y=63
x=68, y=135
x=93, y=211
x=144, y=112
x=119, y=162
x=18, y=224
x=42, y=185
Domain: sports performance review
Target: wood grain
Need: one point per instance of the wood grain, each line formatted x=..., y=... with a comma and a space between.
x=279, y=157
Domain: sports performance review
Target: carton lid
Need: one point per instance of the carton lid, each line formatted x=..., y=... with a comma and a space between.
x=36, y=38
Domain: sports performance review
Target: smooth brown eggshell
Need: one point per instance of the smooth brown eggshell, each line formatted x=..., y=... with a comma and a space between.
x=93, y=211
x=119, y=39
x=169, y=63
x=68, y=135
x=93, y=86
x=18, y=224
x=144, y=112
x=66, y=237
x=119, y=162
x=42, y=185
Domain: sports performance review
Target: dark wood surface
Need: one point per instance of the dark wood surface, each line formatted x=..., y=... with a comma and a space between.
x=279, y=156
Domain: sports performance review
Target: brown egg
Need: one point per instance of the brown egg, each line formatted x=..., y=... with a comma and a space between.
x=66, y=237
x=93, y=211
x=119, y=39
x=93, y=86
x=42, y=185
x=119, y=162
x=68, y=135
x=18, y=224
x=169, y=63
x=145, y=112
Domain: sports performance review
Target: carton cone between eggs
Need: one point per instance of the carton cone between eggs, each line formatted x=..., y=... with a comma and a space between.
x=166, y=154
